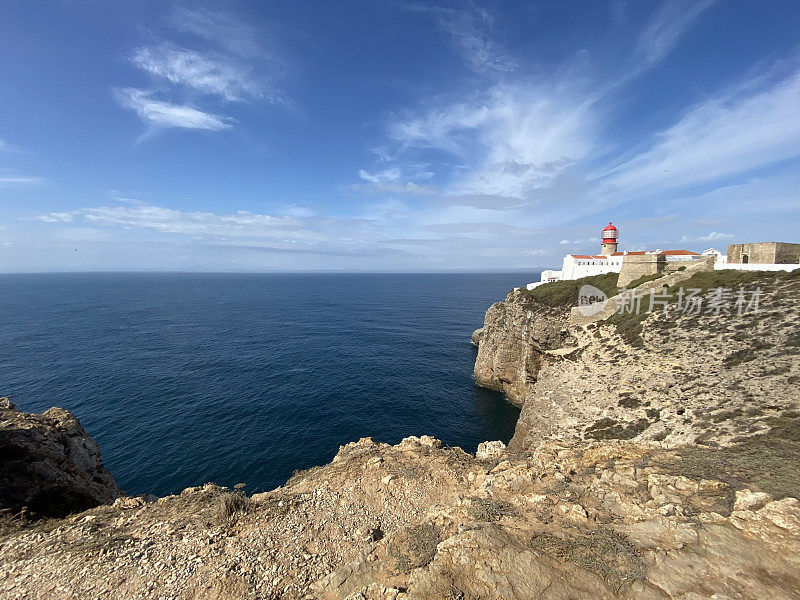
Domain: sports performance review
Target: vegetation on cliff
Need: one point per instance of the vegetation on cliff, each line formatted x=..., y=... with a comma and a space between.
x=775, y=286
x=564, y=294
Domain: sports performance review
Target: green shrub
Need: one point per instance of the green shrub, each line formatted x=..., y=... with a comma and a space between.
x=767, y=462
x=607, y=428
x=564, y=294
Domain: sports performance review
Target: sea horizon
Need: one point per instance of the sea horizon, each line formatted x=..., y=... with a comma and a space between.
x=184, y=378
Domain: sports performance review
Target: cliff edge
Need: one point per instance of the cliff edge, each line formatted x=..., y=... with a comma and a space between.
x=49, y=465
x=712, y=377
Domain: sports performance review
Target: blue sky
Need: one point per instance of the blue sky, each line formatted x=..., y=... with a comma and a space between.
x=391, y=136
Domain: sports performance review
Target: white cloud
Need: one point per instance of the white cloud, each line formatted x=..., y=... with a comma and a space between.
x=392, y=181
x=56, y=217
x=222, y=29
x=745, y=128
x=298, y=211
x=408, y=187
x=716, y=235
x=511, y=139
x=386, y=175
x=241, y=224
x=12, y=180
x=710, y=237
x=213, y=76
x=160, y=114
x=228, y=62
x=668, y=26
x=516, y=140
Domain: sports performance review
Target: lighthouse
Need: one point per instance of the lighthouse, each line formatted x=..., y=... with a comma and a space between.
x=610, y=235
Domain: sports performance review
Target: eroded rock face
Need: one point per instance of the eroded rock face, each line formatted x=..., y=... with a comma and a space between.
x=420, y=521
x=513, y=344
x=692, y=378
x=49, y=464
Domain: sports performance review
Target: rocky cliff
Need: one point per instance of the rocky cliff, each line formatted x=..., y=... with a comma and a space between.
x=656, y=458
x=49, y=465
x=676, y=377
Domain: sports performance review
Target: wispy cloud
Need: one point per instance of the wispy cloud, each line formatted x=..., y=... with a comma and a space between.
x=716, y=235
x=160, y=114
x=666, y=28
x=393, y=180
x=471, y=29
x=13, y=180
x=713, y=236
x=409, y=188
x=413, y=236
x=510, y=139
x=220, y=28
x=56, y=217
x=204, y=74
x=742, y=129
x=228, y=63
x=172, y=221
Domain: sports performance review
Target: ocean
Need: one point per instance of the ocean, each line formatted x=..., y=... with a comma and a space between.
x=242, y=378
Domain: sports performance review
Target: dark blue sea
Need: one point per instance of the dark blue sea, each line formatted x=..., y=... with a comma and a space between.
x=188, y=378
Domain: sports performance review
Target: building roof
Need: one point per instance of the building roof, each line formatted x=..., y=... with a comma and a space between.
x=662, y=252
x=679, y=253
x=637, y=253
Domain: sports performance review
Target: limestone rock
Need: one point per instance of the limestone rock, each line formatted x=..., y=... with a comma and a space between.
x=488, y=450
x=567, y=520
x=685, y=378
x=513, y=343
x=49, y=464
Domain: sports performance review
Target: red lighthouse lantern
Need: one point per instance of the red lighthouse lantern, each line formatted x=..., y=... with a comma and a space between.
x=610, y=235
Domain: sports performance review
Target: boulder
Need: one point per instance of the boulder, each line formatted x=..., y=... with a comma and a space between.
x=49, y=465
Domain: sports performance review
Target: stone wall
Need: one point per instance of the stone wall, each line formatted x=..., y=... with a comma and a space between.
x=787, y=254
x=768, y=253
x=639, y=265
x=704, y=264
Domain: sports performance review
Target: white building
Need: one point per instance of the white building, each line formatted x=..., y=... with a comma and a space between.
x=609, y=260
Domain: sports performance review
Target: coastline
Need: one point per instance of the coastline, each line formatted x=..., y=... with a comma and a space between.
x=587, y=501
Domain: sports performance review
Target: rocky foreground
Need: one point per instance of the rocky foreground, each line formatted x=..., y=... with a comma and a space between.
x=654, y=459
x=605, y=519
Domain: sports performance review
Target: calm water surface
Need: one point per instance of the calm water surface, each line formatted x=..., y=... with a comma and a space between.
x=189, y=378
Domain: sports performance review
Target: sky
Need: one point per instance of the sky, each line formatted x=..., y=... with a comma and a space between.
x=391, y=135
